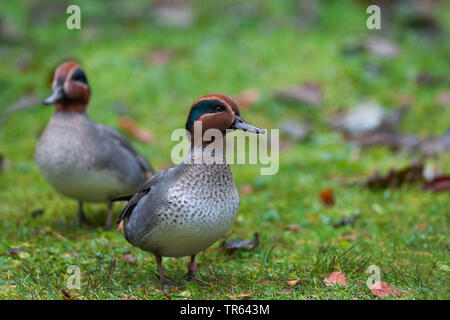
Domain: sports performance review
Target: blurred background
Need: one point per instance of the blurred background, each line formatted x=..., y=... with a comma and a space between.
x=349, y=102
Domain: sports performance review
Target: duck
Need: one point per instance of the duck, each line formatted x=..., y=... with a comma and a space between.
x=183, y=210
x=81, y=159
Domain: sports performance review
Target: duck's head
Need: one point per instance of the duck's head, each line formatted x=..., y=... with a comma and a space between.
x=70, y=89
x=217, y=111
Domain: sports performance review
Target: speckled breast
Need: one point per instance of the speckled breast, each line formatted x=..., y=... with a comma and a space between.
x=202, y=205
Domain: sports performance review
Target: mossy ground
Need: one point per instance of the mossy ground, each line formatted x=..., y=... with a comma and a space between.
x=230, y=48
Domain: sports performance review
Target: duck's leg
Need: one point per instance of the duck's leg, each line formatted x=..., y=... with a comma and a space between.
x=109, y=216
x=81, y=217
x=191, y=269
x=162, y=281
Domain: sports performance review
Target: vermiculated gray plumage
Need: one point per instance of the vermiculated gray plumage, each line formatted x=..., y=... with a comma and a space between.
x=88, y=161
x=183, y=210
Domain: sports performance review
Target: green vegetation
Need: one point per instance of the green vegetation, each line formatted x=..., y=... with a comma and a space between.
x=231, y=47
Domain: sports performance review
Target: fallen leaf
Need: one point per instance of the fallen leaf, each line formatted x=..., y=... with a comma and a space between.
x=381, y=47
x=395, y=178
x=246, y=189
x=240, y=295
x=335, y=278
x=14, y=251
x=233, y=245
x=161, y=56
x=294, y=228
x=132, y=129
x=294, y=130
x=306, y=93
x=440, y=183
x=128, y=259
x=247, y=98
x=327, y=197
x=382, y=289
x=443, y=98
x=126, y=298
x=292, y=283
x=344, y=221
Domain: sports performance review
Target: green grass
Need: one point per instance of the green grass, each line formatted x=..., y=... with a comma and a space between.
x=230, y=49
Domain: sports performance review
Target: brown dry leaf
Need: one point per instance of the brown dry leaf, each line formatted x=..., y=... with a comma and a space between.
x=240, y=295
x=14, y=251
x=128, y=259
x=246, y=189
x=247, y=98
x=335, y=278
x=440, y=183
x=396, y=178
x=294, y=228
x=132, y=129
x=126, y=298
x=382, y=289
x=327, y=197
x=161, y=56
x=306, y=93
x=292, y=283
x=443, y=98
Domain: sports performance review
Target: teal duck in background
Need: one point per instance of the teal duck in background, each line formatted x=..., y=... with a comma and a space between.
x=82, y=159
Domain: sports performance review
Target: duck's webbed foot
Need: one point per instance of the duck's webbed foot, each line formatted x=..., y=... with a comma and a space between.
x=190, y=276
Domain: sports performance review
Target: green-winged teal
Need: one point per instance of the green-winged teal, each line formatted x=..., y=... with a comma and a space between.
x=81, y=159
x=184, y=210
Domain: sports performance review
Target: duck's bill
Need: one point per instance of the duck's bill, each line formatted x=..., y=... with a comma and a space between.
x=58, y=94
x=241, y=124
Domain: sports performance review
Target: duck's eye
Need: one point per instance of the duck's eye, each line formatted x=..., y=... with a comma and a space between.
x=220, y=109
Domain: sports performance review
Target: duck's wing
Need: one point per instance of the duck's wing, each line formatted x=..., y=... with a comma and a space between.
x=124, y=143
x=152, y=188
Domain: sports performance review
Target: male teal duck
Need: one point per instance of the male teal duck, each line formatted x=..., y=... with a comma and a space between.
x=184, y=210
x=82, y=159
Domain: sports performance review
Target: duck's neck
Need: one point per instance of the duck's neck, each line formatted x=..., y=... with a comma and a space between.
x=206, y=155
x=71, y=107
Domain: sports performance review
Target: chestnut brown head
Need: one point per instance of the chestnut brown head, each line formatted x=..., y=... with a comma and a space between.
x=217, y=111
x=70, y=89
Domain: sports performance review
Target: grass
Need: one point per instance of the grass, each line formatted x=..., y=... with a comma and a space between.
x=230, y=48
